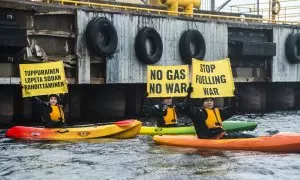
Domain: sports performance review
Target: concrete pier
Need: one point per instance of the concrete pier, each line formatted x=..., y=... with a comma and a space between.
x=297, y=96
x=252, y=97
x=280, y=96
x=101, y=103
x=6, y=104
x=104, y=88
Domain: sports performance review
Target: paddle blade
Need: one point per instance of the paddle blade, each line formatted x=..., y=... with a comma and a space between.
x=123, y=123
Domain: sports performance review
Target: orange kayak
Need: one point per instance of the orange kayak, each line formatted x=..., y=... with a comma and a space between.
x=281, y=142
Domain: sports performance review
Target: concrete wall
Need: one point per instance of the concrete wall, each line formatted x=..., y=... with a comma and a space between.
x=297, y=96
x=125, y=67
x=282, y=70
x=6, y=104
x=281, y=96
x=252, y=97
x=101, y=103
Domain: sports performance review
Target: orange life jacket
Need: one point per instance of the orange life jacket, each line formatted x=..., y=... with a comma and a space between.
x=57, y=113
x=171, y=116
x=214, y=119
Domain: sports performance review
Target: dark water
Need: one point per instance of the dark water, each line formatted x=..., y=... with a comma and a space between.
x=139, y=158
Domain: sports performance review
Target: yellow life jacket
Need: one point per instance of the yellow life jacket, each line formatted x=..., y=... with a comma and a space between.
x=57, y=113
x=170, y=117
x=214, y=119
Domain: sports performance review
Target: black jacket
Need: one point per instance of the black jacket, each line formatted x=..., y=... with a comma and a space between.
x=159, y=110
x=44, y=108
x=198, y=115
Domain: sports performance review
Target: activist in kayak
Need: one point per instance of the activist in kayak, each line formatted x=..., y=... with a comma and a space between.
x=164, y=112
x=52, y=112
x=208, y=120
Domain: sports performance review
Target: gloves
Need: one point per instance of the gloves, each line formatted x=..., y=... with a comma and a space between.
x=171, y=106
x=146, y=94
x=21, y=85
x=235, y=92
x=190, y=89
x=165, y=107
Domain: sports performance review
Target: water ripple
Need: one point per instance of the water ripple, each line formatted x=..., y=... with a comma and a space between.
x=140, y=158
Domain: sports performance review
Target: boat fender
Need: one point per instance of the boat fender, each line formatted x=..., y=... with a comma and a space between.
x=101, y=37
x=292, y=48
x=150, y=35
x=192, y=37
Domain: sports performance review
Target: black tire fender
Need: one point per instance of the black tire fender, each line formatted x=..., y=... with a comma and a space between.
x=141, y=52
x=292, y=48
x=195, y=37
x=101, y=37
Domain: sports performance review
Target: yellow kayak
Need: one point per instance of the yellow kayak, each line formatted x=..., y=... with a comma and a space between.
x=121, y=129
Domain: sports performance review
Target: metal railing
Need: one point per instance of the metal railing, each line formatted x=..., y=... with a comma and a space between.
x=287, y=11
x=166, y=12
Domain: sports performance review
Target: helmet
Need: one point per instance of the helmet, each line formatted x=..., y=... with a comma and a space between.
x=54, y=95
x=204, y=99
x=166, y=97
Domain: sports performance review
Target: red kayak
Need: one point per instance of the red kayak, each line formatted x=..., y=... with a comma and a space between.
x=281, y=142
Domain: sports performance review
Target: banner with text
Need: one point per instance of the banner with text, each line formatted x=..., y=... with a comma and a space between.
x=167, y=81
x=212, y=79
x=43, y=79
